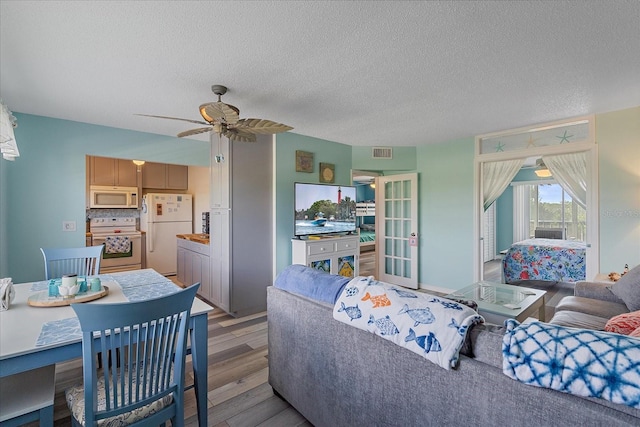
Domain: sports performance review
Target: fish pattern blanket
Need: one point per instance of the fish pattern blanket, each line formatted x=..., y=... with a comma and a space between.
x=575, y=361
x=433, y=327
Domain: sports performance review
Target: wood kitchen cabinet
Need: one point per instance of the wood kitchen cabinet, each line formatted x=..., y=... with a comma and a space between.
x=194, y=266
x=112, y=172
x=165, y=176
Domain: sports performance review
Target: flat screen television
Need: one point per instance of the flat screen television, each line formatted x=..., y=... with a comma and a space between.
x=324, y=209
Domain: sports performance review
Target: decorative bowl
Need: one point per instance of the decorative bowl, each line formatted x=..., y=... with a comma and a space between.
x=68, y=291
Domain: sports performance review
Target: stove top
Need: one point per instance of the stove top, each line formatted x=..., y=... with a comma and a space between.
x=113, y=225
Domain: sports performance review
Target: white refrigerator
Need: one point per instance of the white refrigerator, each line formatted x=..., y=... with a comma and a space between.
x=162, y=217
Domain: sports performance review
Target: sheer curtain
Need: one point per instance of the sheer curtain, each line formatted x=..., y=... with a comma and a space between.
x=496, y=177
x=521, y=212
x=570, y=170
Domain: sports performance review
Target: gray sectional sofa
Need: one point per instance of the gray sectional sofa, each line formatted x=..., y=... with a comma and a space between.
x=337, y=375
x=594, y=303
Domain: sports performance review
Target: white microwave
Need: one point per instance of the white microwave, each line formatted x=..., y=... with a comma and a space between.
x=113, y=197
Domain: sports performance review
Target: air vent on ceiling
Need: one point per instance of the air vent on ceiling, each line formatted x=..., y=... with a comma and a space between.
x=382, y=153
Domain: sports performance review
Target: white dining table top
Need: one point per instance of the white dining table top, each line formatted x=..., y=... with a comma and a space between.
x=21, y=325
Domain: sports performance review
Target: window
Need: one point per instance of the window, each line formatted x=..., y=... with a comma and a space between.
x=552, y=207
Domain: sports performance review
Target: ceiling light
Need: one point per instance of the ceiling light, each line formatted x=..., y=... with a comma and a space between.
x=542, y=171
x=138, y=162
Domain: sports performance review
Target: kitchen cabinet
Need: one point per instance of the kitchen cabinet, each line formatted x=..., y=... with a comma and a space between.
x=112, y=172
x=194, y=266
x=165, y=176
x=334, y=255
x=241, y=224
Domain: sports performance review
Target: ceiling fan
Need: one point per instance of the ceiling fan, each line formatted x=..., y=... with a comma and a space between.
x=224, y=119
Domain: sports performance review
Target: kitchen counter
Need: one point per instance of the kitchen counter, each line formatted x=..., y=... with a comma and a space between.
x=198, y=238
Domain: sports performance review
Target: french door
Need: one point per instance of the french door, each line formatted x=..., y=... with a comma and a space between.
x=397, y=229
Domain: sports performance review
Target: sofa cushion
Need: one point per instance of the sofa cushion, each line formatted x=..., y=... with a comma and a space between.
x=624, y=323
x=635, y=333
x=486, y=343
x=628, y=288
x=311, y=283
x=575, y=319
x=591, y=306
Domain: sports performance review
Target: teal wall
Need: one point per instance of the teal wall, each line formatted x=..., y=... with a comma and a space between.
x=445, y=179
x=286, y=175
x=46, y=184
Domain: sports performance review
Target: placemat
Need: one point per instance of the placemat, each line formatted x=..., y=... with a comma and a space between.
x=146, y=292
x=57, y=331
x=139, y=278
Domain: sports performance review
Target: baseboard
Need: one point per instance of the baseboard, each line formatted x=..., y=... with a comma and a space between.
x=438, y=289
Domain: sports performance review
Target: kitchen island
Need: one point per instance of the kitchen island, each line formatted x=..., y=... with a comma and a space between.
x=194, y=262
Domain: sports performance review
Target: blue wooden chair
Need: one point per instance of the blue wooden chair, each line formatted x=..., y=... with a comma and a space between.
x=84, y=261
x=146, y=386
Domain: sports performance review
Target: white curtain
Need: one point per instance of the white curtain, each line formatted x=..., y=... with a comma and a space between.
x=521, y=212
x=496, y=177
x=8, y=146
x=570, y=170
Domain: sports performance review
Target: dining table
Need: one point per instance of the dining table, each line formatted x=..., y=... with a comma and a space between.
x=33, y=335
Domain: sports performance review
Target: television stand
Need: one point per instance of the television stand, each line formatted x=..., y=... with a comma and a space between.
x=339, y=254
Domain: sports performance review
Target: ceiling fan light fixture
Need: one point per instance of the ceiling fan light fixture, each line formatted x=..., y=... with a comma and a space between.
x=224, y=119
x=203, y=113
x=138, y=162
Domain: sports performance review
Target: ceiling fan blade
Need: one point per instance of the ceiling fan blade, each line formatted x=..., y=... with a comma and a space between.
x=239, y=135
x=261, y=126
x=173, y=118
x=219, y=111
x=194, y=131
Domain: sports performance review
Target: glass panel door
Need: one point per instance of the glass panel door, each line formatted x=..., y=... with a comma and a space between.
x=398, y=225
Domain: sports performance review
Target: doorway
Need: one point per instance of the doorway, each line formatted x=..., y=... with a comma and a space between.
x=558, y=138
x=364, y=181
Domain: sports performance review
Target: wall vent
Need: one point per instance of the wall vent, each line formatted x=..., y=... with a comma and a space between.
x=382, y=153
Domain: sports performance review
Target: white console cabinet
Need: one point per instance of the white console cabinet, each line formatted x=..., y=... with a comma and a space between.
x=335, y=255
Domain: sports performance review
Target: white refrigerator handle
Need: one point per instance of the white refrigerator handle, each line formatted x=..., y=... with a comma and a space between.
x=150, y=237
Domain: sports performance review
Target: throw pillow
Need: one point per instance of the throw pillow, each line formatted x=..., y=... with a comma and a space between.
x=625, y=323
x=628, y=288
x=635, y=333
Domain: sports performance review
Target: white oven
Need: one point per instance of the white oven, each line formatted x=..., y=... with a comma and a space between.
x=122, y=243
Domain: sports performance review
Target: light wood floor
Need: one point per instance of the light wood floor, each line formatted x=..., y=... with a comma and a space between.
x=238, y=392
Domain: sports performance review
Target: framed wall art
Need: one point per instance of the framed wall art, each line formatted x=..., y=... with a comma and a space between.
x=304, y=161
x=327, y=173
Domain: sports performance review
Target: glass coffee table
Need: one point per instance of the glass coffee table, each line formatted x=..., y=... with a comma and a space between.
x=498, y=302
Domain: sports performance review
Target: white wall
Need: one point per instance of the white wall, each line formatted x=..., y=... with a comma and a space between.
x=618, y=138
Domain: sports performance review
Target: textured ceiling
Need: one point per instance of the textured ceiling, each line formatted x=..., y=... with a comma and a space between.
x=359, y=73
